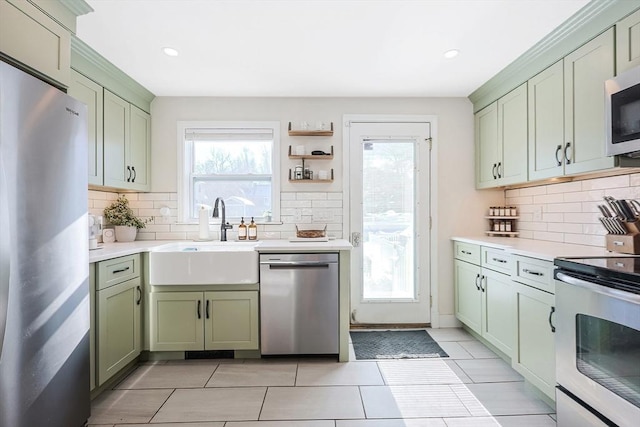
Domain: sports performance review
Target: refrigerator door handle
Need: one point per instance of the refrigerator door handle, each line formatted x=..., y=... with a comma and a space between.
x=5, y=253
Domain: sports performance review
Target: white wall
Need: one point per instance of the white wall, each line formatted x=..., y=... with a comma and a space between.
x=458, y=208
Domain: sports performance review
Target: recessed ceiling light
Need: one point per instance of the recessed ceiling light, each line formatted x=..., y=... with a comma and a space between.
x=451, y=53
x=169, y=51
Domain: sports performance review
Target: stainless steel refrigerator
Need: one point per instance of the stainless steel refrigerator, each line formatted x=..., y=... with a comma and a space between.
x=44, y=261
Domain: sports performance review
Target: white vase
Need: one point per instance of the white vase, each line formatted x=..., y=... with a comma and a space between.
x=125, y=233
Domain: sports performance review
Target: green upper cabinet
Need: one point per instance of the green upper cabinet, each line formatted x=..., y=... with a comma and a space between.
x=91, y=93
x=566, y=112
x=512, y=137
x=628, y=43
x=585, y=71
x=127, y=141
x=501, y=141
x=486, y=131
x=546, y=122
x=31, y=37
x=140, y=149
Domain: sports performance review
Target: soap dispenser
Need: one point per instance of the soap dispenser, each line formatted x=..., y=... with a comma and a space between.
x=253, y=230
x=242, y=230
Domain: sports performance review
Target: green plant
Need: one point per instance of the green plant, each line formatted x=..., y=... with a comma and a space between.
x=119, y=213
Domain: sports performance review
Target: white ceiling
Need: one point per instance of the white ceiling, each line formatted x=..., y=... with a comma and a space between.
x=317, y=48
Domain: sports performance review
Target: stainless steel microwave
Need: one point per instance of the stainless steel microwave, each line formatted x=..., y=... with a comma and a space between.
x=622, y=99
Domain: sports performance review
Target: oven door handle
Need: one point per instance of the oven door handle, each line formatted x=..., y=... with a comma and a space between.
x=604, y=290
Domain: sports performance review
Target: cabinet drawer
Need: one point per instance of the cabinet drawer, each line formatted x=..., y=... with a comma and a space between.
x=496, y=259
x=118, y=270
x=467, y=252
x=534, y=272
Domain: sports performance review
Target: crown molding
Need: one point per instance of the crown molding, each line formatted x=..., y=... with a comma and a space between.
x=90, y=63
x=594, y=18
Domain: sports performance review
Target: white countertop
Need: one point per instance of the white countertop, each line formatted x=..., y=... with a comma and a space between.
x=540, y=249
x=114, y=250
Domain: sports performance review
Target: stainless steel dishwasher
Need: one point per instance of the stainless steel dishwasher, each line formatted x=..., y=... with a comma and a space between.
x=299, y=303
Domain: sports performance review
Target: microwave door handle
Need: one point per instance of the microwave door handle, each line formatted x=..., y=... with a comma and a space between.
x=604, y=290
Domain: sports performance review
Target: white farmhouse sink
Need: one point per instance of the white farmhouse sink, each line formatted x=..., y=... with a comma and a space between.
x=204, y=263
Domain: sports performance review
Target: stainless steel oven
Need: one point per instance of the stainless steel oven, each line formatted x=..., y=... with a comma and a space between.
x=598, y=341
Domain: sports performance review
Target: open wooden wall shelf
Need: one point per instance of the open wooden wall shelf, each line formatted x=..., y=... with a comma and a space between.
x=309, y=132
x=311, y=156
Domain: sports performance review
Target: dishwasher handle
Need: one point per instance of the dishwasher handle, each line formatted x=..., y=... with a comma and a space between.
x=296, y=264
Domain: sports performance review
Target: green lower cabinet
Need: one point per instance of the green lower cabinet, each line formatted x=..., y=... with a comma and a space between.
x=118, y=325
x=498, y=302
x=215, y=320
x=468, y=297
x=534, y=353
x=92, y=329
x=176, y=321
x=231, y=320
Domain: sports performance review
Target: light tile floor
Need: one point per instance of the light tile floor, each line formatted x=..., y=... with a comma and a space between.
x=471, y=388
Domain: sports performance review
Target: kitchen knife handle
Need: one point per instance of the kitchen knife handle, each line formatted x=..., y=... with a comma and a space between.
x=477, y=278
x=139, y=295
x=199, y=312
x=566, y=147
x=493, y=171
x=129, y=177
x=498, y=169
x=553, y=310
x=558, y=149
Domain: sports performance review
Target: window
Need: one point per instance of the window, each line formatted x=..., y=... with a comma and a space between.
x=235, y=161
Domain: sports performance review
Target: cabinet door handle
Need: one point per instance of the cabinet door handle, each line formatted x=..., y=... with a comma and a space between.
x=129, y=177
x=122, y=270
x=477, y=278
x=206, y=310
x=498, y=169
x=135, y=174
x=493, y=171
x=501, y=261
x=553, y=310
x=558, y=151
x=566, y=147
x=139, y=295
x=466, y=252
x=485, y=283
x=533, y=273
x=199, y=307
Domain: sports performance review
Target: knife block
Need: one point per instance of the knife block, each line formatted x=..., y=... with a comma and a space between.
x=624, y=243
x=633, y=227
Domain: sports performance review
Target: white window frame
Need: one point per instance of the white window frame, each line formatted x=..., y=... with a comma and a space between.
x=184, y=163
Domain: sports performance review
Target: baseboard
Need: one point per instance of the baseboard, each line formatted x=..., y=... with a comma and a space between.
x=448, y=321
x=389, y=326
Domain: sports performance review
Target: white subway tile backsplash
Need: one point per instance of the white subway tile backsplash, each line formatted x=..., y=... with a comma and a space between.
x=310, y=207
x=568, y=211
x=311, y=196
x=604, y=183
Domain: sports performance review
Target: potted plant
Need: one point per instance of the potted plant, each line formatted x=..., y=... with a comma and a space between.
x=126, y=223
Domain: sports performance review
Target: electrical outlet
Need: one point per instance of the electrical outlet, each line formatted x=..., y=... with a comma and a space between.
x=537, y=213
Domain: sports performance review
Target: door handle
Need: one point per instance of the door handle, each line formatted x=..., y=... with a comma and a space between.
x=485, y=283
x=498, y=169
x=122, y=270
x=558, y=149
x=135, y=174
x=553, y=310
x=533, y=273
x=139, y=295
x=493, y=171
x=129, y=177
x=355, y=239
x=566, y=156
x=206, y=310
x=477, y=278
x=199, y=312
